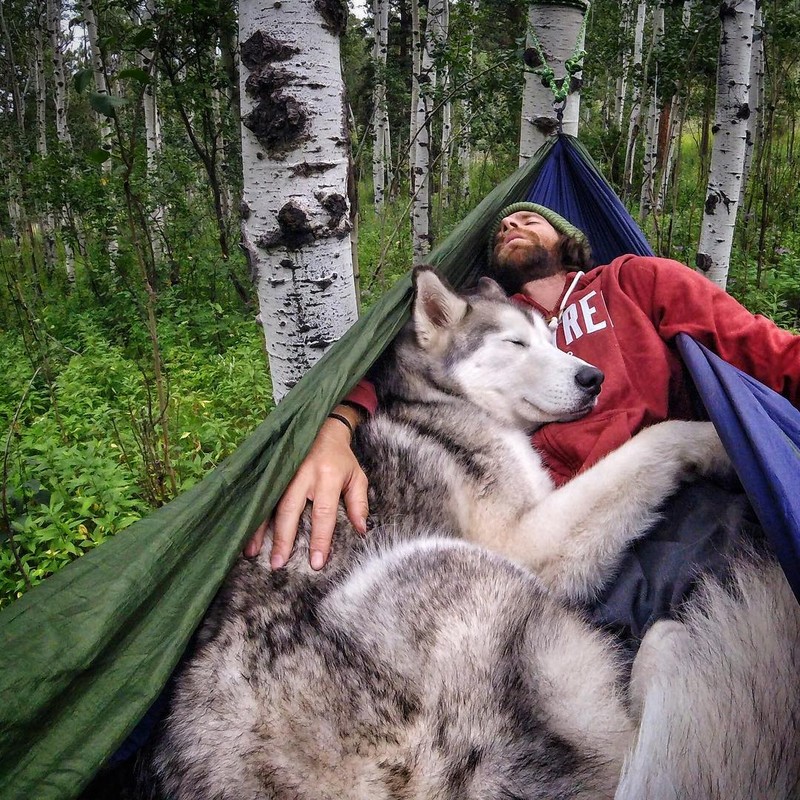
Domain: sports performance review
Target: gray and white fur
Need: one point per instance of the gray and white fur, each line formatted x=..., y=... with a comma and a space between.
x=444, y=655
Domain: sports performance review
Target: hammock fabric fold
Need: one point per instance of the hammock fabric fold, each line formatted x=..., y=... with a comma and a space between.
x=87, y=652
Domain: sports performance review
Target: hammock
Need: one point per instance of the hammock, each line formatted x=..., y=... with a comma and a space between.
x=86, y=653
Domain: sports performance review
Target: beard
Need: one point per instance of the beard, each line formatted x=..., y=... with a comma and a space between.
x=512, y=270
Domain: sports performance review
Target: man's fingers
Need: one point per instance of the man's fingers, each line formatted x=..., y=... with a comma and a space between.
x=256, y=541
x=356, y=502
x=287, y=518
x=323, y=520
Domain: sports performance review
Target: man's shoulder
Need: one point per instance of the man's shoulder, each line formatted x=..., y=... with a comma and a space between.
x=631, y=267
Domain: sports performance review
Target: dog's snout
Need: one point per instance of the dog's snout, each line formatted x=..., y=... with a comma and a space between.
x=589, y=379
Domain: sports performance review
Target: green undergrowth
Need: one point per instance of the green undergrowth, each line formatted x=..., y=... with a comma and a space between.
x=82, y=441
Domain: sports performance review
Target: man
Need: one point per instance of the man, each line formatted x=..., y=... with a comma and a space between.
x=623, y=318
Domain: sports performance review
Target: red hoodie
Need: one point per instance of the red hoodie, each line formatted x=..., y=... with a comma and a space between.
x=623, y=318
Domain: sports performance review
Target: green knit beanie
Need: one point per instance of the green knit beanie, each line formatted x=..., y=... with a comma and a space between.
x=556, y=220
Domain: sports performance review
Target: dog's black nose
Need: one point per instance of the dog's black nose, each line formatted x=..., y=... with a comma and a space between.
x=589, y=379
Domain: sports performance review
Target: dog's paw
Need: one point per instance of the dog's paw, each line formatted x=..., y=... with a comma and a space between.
x=706, y=453
x=695, y=446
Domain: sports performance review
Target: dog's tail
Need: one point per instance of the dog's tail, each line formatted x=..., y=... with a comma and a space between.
x=720, y=694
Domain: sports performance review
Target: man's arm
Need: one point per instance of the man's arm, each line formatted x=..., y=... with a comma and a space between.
x=329, y=472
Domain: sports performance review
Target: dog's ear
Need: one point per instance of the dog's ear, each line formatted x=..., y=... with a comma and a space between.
x=436, y=307
x=491, y=289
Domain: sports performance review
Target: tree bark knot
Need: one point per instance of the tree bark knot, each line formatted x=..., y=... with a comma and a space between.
x=261, y=48
x=334, y=12
x=714, y=199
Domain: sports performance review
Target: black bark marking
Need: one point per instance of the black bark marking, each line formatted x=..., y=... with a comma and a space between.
x=546, y=125
x=334, y=12
x=703, y=262
x=306, y=170
x=335, y=205
x=727, y=9
x=278, y=122
x=711, y=203
x=244, y=210
x=743, y=112
x=532, y=58
x=261, y=48
x=295, y=226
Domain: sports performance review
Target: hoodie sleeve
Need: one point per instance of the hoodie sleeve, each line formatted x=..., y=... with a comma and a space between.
x=364, y=396
x=678, y=299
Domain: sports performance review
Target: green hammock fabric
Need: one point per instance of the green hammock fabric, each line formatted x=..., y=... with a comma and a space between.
x=86, y=652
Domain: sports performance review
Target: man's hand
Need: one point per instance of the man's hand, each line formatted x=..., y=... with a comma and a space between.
x=329, y=471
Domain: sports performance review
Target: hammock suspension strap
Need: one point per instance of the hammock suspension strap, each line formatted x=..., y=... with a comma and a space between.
x=560, y=87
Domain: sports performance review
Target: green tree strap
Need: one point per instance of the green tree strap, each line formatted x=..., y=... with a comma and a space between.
x=573, y=65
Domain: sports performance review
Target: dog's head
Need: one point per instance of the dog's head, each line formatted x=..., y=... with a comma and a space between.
x=498, y=355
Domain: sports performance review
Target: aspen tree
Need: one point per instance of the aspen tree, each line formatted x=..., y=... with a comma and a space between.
x=295, y=156
x=381, y=153
x=556, y=31
x=731, y=113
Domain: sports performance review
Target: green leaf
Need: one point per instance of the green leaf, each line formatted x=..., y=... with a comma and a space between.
x=98, y=156
x=134, y=74
x=145, y=37
x=106, y=104
x=82, y=79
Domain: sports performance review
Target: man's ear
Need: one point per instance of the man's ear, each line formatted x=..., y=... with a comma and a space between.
x=491, y=289
x=436, y=309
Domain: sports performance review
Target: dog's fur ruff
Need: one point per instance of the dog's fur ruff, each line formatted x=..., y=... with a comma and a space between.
x=443, y=656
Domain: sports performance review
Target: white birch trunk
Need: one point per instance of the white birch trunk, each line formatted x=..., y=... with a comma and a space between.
x=380, y=9
x=152, y=134
x=635, y=121
x=558, y=26
x=421, y=200
x=447, y=114
x=100, y=83
x=755, y=97
x=622, y=80
x=295, y=155
x=416, y=66
x=40, y=85
x=728, y=149
x=60, y=94
x=675, y=121
x=650, y=160
x=464, y=109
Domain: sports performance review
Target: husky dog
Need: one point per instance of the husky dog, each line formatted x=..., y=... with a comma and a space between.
x=444, y=655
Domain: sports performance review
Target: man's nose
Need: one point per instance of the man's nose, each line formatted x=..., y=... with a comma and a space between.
x=507, y=223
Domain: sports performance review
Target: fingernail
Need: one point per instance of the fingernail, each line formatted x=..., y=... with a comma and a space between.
x=277, y=561
x=362, y=525
x=317, y=559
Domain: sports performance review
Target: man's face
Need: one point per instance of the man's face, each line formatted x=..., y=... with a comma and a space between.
x=526, y=248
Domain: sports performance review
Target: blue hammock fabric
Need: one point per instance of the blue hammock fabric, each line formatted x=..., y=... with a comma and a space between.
x=570, y=183
x=761, y=432
x=759, y=428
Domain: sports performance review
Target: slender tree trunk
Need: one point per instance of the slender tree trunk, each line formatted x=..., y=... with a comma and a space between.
x=622, y=79
x=380, y=154
x=635, y=121
x=730, y=135
x=650, y=161
x=558, y=28
x=447, y=115
x=416, y=67
x=60, y=94
x=100, y=82
x=295, y=155
x=421, y=200
x=464, y=107
x=153, y=137
x=755, y=97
